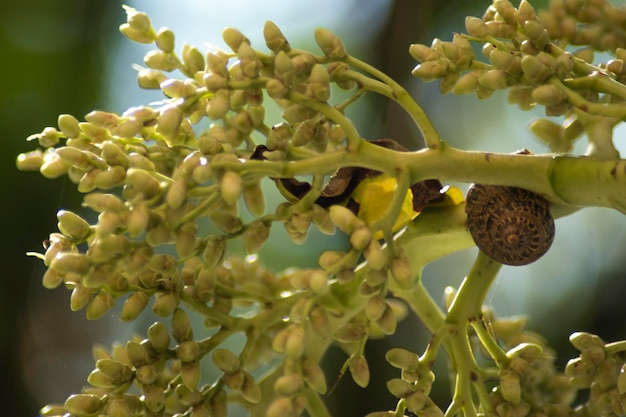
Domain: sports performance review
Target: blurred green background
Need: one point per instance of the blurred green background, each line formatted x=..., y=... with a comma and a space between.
x=67, y=56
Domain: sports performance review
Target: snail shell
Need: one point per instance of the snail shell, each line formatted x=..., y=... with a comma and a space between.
x=511, y=225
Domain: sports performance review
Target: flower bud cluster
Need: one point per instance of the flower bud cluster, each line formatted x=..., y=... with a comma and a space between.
x=600, y=368
x=522, y=48
x=415, y=382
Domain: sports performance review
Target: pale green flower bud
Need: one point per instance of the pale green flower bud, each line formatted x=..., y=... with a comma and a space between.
x=283, y=68
x=160, y=60
x=276, y=89
x=403, y=359
x=158, y=336
x=219, y=105
x=214, y=82
x=71, y=263
x=400, y=388
x=360, y=371
x=150, y=79
x=500, y=29
x=96, y=134
x=188, y=397
x=68, y=125
x=52, y=166
x=153, y=398
x=416, y=401
x=314, y=376
x=58, y=243
x=330, y=259
x=388, y=321
x=193, y=60
x=231, y=187
x=143, y=182
x=113, y=155
x=351, y=332
x=99, y=380
x=110, y=178
x=274, y=38
x=319, y=83
x=510, y=387
x=422, y=53
x=344, y=219
x=431, y=70
x=165, y=40
x=146, y=374
x=100, y=305
x=165, y=303
x=318, y=282
x=134, y=305
x=177, y=194
x=138, y=219
x=361, y=238
x=136, y=35
x=250, y=390
x=375, y=277
x=226, y=222
x=248, y=61
x=51, y=279
x=234, y=38
x=525, y=12
x=30, y=161
x=495, y=79
x=141, y=162
x=177, y=88
x=279, y=136
x=169, y=121
x=476, y=27
x=181, y=326
x=123, y=405
x=289, y=384
x=102, y=119
x=217, y=63
x=329, y=43
x=47, y=138
x=254, y=236
x=234, y=380
x=80, y=297
x=188, y=351
x=139, y=353
x=548, y=95
x=375, y=307
x=72, y=225
x=536, y=33
x=506, y=10
x=295, y=343
x=280, y=407
x=226, y=360
x=534, y=69
x=320, y=322
x=374, y=255
x=116, y=371
x=401, y=271
x=506, y=61
x=84, y=404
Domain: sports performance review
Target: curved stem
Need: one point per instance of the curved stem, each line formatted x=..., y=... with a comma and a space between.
x=402, y=97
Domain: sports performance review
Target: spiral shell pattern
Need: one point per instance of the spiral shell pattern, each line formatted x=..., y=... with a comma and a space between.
x=511, y=225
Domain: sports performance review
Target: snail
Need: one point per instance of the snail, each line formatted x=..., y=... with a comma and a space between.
x=511, y=225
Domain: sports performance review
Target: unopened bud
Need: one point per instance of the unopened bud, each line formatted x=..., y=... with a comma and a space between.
x=329, y=43
x=274, y=38
x=360, y=371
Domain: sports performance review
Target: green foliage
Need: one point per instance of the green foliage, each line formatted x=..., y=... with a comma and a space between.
x=154, y=179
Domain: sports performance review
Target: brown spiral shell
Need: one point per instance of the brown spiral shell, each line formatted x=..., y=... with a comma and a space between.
x=511, y=225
